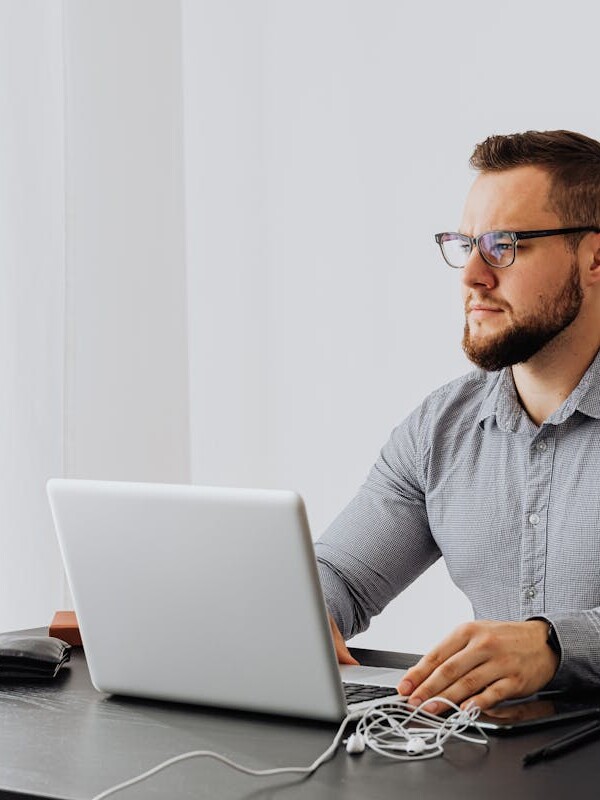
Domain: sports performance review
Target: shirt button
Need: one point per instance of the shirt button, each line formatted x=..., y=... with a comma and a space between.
x=542, y=446
x=534, y=519
x=530, y=593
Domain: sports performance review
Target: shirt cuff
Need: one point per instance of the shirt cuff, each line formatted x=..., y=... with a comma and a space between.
x=579, y=638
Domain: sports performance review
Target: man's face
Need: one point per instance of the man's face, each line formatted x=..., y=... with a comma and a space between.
x=512, y=313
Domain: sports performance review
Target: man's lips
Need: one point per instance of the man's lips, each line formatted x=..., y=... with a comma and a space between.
x=481, y=309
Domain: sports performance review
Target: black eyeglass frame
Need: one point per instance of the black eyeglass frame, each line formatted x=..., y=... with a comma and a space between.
x=515, y=236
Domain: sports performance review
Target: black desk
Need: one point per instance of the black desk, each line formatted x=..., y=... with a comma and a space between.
x=65, y=740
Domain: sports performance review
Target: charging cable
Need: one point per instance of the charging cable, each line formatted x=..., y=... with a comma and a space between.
x=239, y=767
x=394, y=730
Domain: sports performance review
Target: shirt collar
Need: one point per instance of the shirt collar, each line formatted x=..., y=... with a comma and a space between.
x=502, y=401
x=585, y=397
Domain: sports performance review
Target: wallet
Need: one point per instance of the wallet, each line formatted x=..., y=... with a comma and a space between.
x=31, y=656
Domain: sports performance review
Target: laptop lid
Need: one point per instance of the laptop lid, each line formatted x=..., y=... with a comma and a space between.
x=198, y=594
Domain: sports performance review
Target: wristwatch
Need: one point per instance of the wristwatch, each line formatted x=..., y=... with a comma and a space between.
x=552, y=640
x=551, y=637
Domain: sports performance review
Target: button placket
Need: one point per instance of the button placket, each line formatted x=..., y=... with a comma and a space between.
x=533, y=547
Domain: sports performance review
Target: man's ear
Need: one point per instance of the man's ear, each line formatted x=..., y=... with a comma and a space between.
x=593, y=271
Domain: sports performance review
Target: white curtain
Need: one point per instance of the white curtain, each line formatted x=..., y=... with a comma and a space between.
x=32, y=231
x=93, y=341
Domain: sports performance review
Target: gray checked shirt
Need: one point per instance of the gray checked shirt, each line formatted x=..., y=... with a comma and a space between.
x=513, y=508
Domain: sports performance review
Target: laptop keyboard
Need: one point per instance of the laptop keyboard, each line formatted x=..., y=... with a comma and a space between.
x=359, y=692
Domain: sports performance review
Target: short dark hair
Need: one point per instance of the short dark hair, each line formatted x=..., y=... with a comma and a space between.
x=572, y=161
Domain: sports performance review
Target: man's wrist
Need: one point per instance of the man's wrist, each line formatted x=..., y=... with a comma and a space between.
x=552, y=640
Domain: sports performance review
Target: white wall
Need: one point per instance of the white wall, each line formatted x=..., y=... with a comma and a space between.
x=126, y=401
x=325, y=143
x=31, y=306
x=228, y=335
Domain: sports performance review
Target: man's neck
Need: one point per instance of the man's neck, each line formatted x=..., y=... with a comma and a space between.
x=545, y=381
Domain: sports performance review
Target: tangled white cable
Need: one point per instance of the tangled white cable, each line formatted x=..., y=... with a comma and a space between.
x=395, y=730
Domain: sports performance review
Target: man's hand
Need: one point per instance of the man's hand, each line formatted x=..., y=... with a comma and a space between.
x=341, y=651
x=483, y=662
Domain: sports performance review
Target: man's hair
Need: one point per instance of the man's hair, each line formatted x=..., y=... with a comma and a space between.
x=572, y=161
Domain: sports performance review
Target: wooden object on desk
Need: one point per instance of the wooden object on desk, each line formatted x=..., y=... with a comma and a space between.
x=64, y=626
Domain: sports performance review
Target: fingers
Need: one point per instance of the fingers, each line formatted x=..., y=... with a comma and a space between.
x=341, y=651
x=465, y=689
x=493, y=694
x=344, y=656
x=438, y=659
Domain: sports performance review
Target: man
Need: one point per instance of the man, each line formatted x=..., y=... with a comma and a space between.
x=499, y=471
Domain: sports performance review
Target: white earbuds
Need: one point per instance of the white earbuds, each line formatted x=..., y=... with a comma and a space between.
x=416, y=746
x=355, y=743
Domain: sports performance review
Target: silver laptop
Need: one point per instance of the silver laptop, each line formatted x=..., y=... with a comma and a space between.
x=203, y=595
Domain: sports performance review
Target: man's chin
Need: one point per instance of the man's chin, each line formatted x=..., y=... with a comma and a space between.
x=497, y=353
x=485, y=352
x=484, y=362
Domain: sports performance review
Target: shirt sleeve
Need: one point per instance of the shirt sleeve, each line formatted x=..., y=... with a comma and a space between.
x=381, y=541
x=578, y=635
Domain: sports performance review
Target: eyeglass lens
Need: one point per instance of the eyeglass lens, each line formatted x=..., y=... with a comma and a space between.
x=496, y=247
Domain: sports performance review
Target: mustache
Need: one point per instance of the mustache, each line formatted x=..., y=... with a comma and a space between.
x=484, y=300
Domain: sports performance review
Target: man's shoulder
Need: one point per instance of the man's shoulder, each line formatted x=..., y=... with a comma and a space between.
x=462, y=396
x=441, y=421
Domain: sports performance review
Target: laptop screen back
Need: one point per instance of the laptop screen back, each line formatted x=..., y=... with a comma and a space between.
x=198, y=594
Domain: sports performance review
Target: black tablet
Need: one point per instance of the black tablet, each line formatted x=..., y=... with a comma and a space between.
x=541, y=709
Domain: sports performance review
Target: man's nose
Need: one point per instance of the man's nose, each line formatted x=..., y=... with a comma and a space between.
x=477, y=272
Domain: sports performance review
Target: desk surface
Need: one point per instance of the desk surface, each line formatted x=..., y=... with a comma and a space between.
x=65, y=740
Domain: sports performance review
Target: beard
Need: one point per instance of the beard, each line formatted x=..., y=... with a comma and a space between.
x=526, y=337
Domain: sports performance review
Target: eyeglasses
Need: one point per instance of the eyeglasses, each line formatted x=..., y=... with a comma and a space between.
x=497, y=248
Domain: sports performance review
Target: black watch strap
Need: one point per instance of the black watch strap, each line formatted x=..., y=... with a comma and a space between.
x=552, y=640
x=552, y=637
